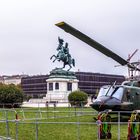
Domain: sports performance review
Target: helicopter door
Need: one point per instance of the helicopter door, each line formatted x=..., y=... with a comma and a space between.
x=126, y=96
x=131, y=95
x=136, y=98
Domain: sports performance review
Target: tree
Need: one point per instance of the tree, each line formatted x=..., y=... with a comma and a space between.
x=10, y=94
x=78, y=98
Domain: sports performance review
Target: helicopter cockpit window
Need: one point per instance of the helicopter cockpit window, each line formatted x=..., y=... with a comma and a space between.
x=106, y=91
x=126, y=83
x=118, y=93
x=136, y=84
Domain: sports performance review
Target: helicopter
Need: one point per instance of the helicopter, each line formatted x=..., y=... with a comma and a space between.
x=124, y=97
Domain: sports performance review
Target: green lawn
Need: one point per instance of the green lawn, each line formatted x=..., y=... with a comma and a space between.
x=54, y=124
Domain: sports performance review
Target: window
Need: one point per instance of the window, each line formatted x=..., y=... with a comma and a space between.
x=50, y=86
x=56, y=86
x=118, y=92
x=69, y=86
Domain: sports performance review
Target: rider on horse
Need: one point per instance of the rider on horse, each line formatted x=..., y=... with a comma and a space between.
x=63, y=54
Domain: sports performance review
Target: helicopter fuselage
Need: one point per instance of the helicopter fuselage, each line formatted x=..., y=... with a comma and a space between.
x=125, y=97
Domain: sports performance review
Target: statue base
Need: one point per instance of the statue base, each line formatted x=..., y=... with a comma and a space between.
x=60, y=84
x=59, y=72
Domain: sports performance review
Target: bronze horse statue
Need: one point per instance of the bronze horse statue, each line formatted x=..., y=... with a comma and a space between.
x=63, y=55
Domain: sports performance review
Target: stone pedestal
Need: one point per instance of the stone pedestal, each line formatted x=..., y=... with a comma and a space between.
x=59, y=84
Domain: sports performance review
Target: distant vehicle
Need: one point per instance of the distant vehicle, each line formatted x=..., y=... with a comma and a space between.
x=124, y=97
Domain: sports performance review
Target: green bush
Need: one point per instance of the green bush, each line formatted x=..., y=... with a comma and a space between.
x=78, y=98
x=10, y=94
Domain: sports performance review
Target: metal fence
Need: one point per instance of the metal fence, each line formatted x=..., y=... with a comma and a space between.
x=40, y=123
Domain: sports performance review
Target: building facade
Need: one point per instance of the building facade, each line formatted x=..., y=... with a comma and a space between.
x=15, y=79
x=91, y=82
x=1, y=79
x=36, y=86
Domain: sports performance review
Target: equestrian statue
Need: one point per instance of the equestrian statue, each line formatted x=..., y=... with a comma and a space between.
x=63, y=54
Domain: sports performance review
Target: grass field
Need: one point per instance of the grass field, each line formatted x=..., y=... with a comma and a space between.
x=54, y=124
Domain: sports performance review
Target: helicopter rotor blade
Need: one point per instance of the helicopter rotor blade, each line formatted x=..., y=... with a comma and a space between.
x=136, y=63
x=131, y=65
x=69, y=29
x=132, y=55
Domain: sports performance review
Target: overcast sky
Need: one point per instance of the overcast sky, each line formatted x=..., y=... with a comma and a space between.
x=28, y=35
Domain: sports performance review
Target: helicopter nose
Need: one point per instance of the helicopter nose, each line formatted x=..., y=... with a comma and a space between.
x=102, y=104
x=98, y=105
